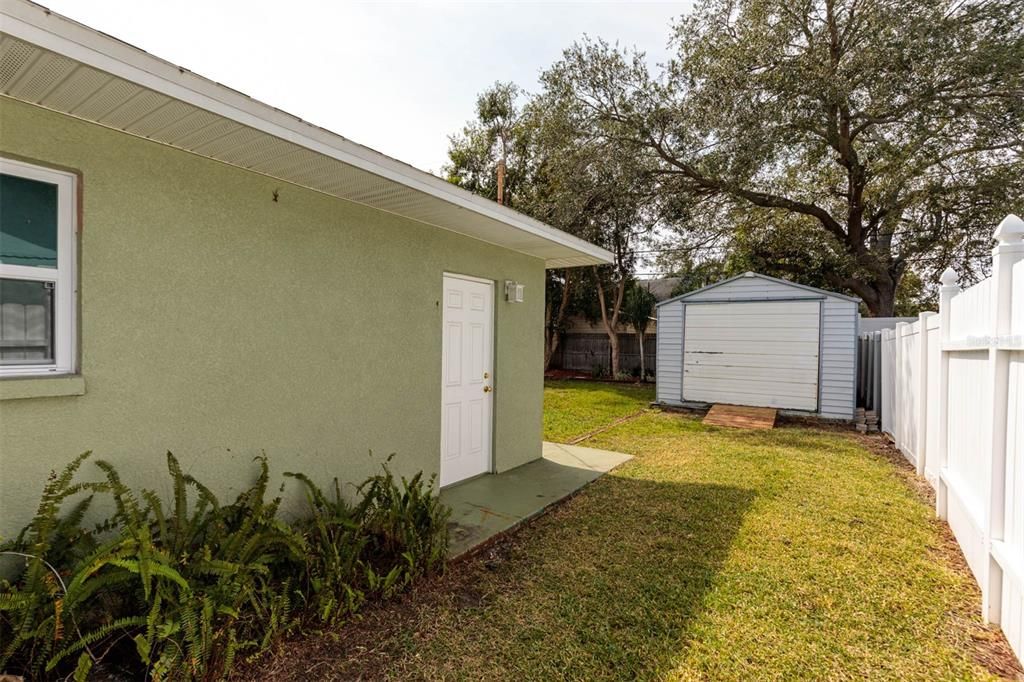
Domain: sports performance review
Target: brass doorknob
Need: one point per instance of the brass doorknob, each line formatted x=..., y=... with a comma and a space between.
x=487, y=389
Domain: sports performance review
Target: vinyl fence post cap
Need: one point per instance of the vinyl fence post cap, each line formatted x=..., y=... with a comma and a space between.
x=948, y=277
x=1010, y=231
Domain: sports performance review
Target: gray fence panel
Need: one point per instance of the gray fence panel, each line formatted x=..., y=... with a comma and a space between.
x=585, y=352
x=869, y=374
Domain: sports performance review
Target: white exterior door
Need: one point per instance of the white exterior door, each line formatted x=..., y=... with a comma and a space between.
x=763, y=354
x=467, y=374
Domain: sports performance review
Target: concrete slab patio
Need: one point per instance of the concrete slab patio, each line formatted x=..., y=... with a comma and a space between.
x=488, y=505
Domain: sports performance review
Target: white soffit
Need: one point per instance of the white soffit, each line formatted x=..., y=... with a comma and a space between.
x=56, y=63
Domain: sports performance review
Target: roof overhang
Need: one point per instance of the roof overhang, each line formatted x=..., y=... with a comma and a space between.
x=53, y=62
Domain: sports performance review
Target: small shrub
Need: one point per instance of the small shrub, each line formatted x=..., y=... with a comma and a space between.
x=597, y=371
x=180, y=591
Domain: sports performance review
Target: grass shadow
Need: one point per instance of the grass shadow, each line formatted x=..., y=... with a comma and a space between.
x=604, y=586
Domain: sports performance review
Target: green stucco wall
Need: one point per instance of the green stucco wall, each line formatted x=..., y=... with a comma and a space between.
x=218, y=324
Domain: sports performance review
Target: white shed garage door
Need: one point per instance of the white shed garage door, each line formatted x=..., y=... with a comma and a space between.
x=763, y=354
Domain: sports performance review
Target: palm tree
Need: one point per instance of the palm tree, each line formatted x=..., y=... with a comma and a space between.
x=637, y=310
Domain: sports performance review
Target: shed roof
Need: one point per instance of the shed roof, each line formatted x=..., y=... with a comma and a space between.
x=804, y=287
x=51, y=61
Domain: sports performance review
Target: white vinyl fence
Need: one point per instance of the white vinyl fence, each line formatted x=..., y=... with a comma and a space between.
x=953, y=402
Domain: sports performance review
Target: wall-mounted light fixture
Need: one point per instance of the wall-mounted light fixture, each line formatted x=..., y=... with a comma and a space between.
x=514, y=291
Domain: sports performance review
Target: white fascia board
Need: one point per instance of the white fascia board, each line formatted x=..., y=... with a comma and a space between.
x=821, y=292
x=39, y=26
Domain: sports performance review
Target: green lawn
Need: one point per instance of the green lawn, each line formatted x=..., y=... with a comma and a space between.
x=715, y=554
x=574, y=408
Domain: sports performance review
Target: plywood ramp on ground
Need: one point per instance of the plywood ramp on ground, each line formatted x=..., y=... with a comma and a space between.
x=741, y=417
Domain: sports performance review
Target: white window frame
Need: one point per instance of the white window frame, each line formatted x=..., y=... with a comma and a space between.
x=63, y=276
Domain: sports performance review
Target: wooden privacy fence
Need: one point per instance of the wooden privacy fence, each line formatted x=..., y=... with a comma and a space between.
x=585, y=352
x=952, y=397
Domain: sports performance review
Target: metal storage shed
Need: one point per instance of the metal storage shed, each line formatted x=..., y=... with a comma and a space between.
x=761, y=341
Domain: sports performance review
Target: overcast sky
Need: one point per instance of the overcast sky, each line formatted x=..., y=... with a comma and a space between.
x=397, y=77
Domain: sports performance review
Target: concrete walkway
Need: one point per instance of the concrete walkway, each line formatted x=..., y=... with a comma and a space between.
x=488, y=505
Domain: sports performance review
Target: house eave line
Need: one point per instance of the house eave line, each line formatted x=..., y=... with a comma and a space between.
x=50, y=31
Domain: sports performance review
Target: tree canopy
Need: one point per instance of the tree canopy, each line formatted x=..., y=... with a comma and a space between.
x=582, y=186
x=865, y=136
x=855, y=145
x=501, y=131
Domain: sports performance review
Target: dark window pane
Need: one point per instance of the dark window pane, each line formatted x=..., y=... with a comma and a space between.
x=28, y=222
x=26, y=322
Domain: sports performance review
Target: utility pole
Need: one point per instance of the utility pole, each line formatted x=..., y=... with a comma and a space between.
x=501, y=181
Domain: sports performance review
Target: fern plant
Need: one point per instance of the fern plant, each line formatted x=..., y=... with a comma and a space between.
x=234, y=560
x=334, y=546
x=33, y=614
x=180, y=590
x=406, y=525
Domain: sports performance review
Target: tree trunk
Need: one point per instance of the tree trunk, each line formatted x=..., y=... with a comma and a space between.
x=886, y=305
x=613, y=343
x=611, y=324
x=552, y=335
x=879, y=297
x=550, y=347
